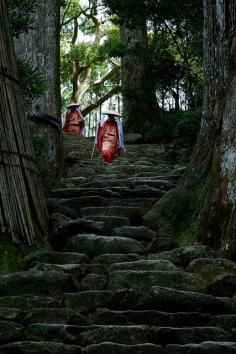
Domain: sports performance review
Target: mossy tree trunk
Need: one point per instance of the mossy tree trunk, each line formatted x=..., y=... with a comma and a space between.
x=139, y=102
x=23, y=212
x=41, y=47
x=204, y=208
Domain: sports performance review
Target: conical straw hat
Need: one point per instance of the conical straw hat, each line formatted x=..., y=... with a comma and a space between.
x=72, y=104
x=112, y=113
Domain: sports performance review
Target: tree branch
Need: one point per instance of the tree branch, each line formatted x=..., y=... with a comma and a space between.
x=106, y=77
x=101, y=100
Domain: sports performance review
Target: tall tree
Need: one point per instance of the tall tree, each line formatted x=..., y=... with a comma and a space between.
x=139, y=102
x=91, y=65
x=205, y=208
x=41, y=47
x=23, y=211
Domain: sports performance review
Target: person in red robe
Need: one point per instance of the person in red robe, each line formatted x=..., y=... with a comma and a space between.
x=74, y=122
x=110, y=136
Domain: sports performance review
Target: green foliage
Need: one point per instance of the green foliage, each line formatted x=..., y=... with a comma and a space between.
x=21, y=15
x=112, y=46
x=179, y=129
x=31, y=80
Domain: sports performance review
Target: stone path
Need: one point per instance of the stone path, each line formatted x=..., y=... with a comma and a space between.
x=110, y=285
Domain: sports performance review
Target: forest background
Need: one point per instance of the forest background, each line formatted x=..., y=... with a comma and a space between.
x=177, y=77
x=163, y=42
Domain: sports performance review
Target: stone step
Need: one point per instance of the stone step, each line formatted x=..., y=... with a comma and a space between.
x=139, y=233
x=108, y=259
x=10, y=331
x=209, y=347
x=51, y=283
x=103, y=316
x=28, y=301
x=69, y=228
x=110, y=348
x=141, y=192
x=111, y=222
x=137, y=279
x=182, y=256
x=43, y=347
x=11, y=314
x=158, y=184
x=53, y=332
x=176, y=300
x=76, y=204
x=143, y=265
x=63, y=258
x=134, y=214
x=95, y=245
x=87, y=301
x=54, y=316
x=139, y=334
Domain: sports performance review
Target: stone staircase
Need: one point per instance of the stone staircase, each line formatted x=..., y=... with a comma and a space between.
x=111, y=285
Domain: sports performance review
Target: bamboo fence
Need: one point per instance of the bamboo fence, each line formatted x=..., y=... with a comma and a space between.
x=22, y=204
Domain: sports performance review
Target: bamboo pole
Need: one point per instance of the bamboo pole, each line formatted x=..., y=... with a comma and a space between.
x=22, y=204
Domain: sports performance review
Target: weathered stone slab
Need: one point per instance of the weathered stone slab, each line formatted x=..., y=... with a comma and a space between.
x=110, y=348
x=94, y=245
x=55, y=315
x=28, y=301
x=182, y=256
x=144, y=265
x=53, y=332
x=139, y=233
x=54, y=258
x=10, y=331
x=51, y=283
x=88, y=301
x=159, y=297
x=210, y=268
x=29, y=347
x=108, y=259
x=146, y=279
x=203, y=348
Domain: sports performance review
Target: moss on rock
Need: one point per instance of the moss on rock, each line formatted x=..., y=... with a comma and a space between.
x=12, y=254
x=181, y=213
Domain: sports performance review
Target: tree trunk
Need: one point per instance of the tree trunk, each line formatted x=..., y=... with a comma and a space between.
x=208, y=199
x=139, y=108
x=41, y=47
x=22, y=205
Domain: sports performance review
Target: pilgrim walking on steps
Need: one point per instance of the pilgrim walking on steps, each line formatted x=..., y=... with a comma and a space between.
x=109, y=138
x=74, y=121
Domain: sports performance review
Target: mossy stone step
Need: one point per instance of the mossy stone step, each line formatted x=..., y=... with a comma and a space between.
x=110, y=348
x=53, y=332
x=139, y=334
x=10, y=331
x=138, y=279
x=62, y=258
x=134, y=214
x=108, y=259
x=105, y=316
x=51, y=283
x=176, y=300
x=55, y=316
x=28, y=301
x=95, y=245
x=110, y=221
x=139, y=233
x=87, y=301
x=182, y=256
x=209, y=347
x=43, y=347
x=144, y=265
